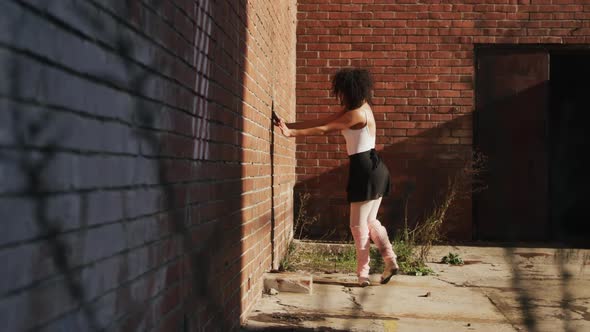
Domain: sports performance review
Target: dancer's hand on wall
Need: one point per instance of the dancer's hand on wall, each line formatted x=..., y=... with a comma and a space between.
x=284, y=129
x=275, y=119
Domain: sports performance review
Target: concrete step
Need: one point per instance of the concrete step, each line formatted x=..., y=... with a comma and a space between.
x=288, y=282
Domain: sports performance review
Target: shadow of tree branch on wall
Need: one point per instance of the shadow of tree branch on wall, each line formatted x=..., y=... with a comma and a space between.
x=202, y=301
x=36, y=144
x=195, y=238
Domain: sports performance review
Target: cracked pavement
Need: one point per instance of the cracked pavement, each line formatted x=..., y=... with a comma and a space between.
x=497, y=289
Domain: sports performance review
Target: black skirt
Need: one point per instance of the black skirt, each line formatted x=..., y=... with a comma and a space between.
x=368, y=177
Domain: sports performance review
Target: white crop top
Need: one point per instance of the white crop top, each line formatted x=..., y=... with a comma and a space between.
x=359, y=140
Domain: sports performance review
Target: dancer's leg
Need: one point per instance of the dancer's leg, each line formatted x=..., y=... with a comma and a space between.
x=359, y=214
x=378, y=234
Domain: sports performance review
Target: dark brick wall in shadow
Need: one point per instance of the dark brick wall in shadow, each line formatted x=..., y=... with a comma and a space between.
x=135, y=162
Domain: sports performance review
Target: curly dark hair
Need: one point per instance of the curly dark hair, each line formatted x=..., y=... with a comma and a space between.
x=354, y=85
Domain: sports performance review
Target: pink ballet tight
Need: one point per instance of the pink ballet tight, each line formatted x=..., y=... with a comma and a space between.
x=365, y=227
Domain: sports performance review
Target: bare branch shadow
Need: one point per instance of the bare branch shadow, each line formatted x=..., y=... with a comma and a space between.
x=36, y=144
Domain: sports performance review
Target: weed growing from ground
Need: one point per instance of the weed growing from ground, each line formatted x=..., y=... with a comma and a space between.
x=452, y=259
x=413, y=244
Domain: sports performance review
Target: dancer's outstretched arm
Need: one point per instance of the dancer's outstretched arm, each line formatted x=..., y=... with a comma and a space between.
x=346, y=120
x=315, y=122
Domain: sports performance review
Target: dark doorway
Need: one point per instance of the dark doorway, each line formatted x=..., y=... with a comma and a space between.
x=531, y=107
x=569, y=145
x=511, y=109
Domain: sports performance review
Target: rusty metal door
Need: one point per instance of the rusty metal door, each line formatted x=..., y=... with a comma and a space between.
x=510, y=129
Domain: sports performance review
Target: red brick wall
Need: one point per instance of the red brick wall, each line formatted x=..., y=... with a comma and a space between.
x=421, y=56
x=141, y=185
x=268, y=158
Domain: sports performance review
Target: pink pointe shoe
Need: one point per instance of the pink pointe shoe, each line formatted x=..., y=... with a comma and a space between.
x=389, y=271
x=364, y=282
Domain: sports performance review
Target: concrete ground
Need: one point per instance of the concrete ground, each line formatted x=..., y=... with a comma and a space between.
x=497, y=289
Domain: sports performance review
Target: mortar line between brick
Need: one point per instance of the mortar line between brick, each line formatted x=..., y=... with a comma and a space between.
x=77, y=32
x=124, y=220
x=23, y=194
x=44, y=60
x=108, y=292
x=59, y=276
x=49, y=62
x=87, y=115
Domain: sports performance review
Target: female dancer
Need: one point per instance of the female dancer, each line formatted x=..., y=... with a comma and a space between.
x=368, y=179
